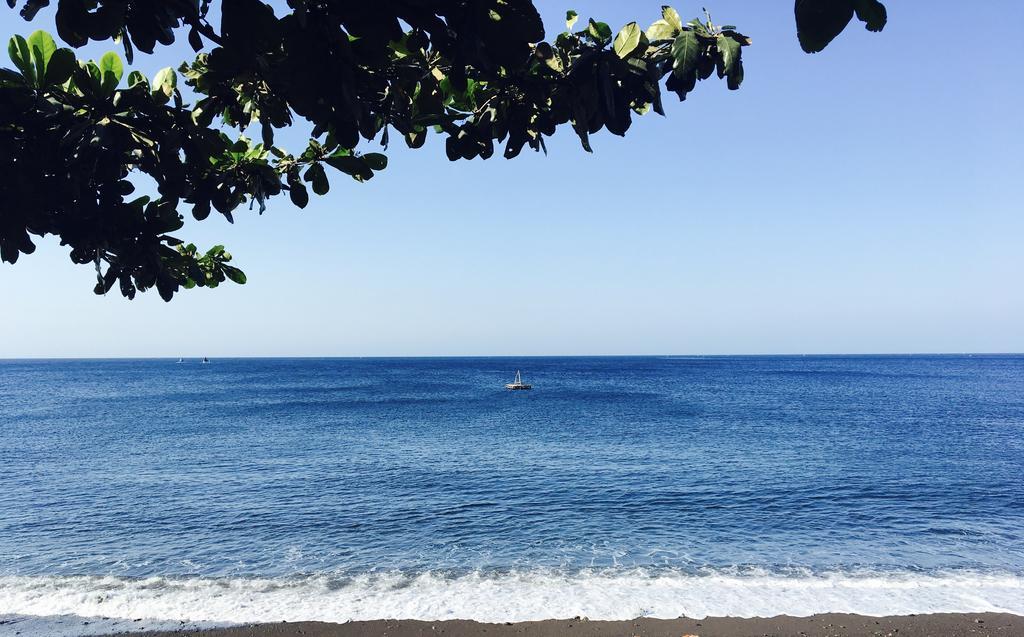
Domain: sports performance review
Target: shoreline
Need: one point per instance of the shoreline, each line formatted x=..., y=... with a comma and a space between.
x=822, y=625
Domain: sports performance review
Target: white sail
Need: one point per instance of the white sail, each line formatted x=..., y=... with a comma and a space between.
x=518, y=384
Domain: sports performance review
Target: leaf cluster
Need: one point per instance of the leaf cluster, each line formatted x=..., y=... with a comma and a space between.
x=75, y=140
x=74, y=132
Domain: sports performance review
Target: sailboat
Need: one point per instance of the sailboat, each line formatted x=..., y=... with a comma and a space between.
x=205, y=360
x=518, y=384
x=181, y=360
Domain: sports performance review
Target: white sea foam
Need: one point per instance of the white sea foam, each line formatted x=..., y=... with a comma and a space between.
x=517, y=596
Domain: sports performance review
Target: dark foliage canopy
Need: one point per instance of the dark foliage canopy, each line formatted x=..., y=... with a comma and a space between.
x=76, y=136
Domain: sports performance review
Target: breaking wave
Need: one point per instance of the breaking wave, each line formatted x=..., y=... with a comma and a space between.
x=161, y=602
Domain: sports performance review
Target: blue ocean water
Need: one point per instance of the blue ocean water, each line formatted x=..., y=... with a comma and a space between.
x=356, y=488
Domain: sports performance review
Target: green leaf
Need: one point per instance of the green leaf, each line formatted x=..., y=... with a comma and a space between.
x=600, y=32
x=671, y=16
x=628, y=40
x=736, y=77
x=43, y=47
x=818, y=23
x=129, y=52
x=21, y=55
x=111, y=71
x=356, y=167
x=298, y=194
x=730, y=51
x=164, y=82
x=95, y=75
x=234, y=274
x=729, y=63
x=872, y=13
x=685, y=54
x=661, y=30
x=570, y=19
x=376, y=161
x=60, y=67
x=267, y=132
x=739, y=37
x=318, y=177
x=135, y=78
x=416, y=138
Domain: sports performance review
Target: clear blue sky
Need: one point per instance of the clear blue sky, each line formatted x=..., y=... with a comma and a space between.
x=867, y=199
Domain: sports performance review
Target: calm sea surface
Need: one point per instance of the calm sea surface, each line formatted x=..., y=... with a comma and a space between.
x=356, y=488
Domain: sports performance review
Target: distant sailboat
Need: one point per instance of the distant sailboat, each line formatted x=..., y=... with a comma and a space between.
x=181, y=360
x=205, y=360
x=518, y=384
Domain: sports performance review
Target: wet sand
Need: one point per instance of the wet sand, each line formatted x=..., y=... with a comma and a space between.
x=831, y=625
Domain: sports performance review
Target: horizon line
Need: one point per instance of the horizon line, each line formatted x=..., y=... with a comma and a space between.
x=486, y=356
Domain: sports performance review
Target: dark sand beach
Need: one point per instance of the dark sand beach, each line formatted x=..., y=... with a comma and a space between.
x=829, y=625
